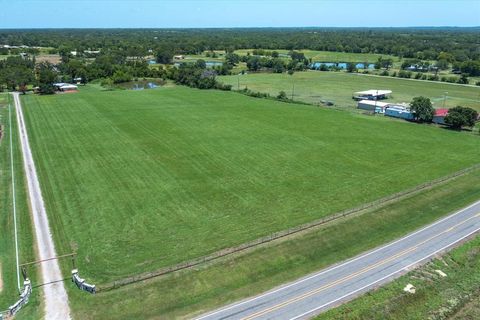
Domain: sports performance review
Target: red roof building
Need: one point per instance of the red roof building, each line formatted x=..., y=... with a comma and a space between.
x=439, y=116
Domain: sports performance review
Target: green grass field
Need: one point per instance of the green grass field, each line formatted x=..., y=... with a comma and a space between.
x=314, y=86
x=8, y=276
x=330, y=56
x=140, y=180
x=188, y=293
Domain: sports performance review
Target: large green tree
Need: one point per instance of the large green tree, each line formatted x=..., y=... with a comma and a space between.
x=459, y=117
x=46, y=76
x=422, y=109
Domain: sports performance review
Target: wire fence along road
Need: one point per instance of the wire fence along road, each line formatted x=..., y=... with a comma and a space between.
x=55, y=295
x=315, y=293
x=281, y=234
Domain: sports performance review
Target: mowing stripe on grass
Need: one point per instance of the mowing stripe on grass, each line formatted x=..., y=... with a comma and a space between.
x=276, y=236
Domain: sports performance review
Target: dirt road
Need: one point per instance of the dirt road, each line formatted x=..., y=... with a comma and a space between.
x=55, y=295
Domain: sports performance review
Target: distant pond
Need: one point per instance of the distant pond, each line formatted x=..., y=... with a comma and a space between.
x=141, y=84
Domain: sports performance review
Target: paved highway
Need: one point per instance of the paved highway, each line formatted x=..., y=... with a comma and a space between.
x=55, y=295
x=313, y=294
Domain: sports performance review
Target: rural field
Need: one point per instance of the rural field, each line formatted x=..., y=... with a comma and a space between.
x=8, y=275
x=135, y=181
x=189, y=293
x=338, y=87
x=330, y=56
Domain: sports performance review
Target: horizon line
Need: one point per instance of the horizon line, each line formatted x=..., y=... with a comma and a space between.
x=245, y=27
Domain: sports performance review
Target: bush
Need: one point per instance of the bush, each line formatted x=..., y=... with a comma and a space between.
x=282, y=96
x=418, y=75
x=433, y=78
x=404, y=74
x=452, y=79
x=384, y=73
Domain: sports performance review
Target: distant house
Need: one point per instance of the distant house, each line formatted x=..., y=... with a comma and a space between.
x=374, y=106
x=439, y=116
x=65, y=87
x=179, y=57
x=371, y=94
x=91, y=51
x=68, y=88
x=380, y=107
x=399, y=111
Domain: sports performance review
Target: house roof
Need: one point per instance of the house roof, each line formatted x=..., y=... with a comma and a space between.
x=373, y=92
x=374, y=103
x=68, y=86
x=441, y=112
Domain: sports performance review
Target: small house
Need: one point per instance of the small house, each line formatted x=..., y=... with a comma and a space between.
x=68, y=88
x=374, y=106
x=439, y=116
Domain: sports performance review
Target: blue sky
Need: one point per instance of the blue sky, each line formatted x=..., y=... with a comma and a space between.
x=237, y=13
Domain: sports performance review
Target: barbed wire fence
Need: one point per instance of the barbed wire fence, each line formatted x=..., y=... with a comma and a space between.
x=281, y=234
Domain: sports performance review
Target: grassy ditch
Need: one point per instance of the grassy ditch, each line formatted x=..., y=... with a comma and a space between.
x=9, y=292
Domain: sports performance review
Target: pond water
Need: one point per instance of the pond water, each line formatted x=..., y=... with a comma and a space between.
x=341, y=65
x=211, y=64
x=141, y=84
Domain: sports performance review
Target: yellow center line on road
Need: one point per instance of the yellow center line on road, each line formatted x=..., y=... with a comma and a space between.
x=353, y=275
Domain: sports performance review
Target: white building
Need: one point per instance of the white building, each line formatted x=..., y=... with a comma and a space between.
x=372, y=94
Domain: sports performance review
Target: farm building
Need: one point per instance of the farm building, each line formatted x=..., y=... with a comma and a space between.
x=372, y=94
x=439, y=116
x=370, y=105
x=65, y=87
x=399, y=111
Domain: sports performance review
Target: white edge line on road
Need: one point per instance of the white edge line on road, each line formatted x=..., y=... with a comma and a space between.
x=340, y=265
x=388, y=276
x=13, y=195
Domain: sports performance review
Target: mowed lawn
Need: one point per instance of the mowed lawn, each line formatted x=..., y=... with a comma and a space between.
x=135, y=181
x=338, y=87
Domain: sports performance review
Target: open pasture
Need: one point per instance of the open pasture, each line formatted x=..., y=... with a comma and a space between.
x=331, y=56
x=137, y=180
x=338, y=87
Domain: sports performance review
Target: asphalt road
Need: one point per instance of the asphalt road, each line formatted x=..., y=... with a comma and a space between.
x=55, y=295
x=313, y=294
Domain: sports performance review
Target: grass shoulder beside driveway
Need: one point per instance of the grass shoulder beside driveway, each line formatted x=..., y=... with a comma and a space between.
x=9, y=293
